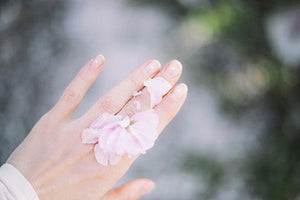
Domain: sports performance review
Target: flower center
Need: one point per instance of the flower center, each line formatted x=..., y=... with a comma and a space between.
x=132, y=122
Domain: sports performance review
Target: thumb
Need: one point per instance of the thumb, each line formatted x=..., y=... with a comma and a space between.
x=132, y=190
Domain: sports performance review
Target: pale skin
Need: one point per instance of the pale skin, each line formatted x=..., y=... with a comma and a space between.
x=59, y=166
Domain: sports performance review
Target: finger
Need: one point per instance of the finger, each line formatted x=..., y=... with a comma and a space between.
x=115, y=99
x=76, y=90
x=171, y=72
x=132, y=190
x=170, y=105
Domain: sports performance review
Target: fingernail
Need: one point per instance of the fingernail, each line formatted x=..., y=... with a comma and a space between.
x=152, y=67
x=179, y=91
x=97, y=62
x=147, y=187
x=173, y=69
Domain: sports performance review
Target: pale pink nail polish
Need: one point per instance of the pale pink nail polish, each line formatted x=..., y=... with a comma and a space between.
x=179, y=92
x=97, y=62
x=173, y=69
x=152, y=67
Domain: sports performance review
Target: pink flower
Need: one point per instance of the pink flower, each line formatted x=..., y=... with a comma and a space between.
x=157, y=87
x=116, y=136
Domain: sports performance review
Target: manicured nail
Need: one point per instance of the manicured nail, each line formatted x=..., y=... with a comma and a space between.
x=147, y=188
x=152, y=67
x=97, y=62
x=179, y=91
x=173, y=69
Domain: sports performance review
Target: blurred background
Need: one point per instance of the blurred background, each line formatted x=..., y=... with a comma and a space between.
x=237, y=136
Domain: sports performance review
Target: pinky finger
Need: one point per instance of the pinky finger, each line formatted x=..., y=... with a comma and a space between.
x=170, y=105
x=76, y=90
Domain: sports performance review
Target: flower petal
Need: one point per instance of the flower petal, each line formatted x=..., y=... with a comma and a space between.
x=147, y=116
x=89, y=136
x=114, y=159
x=145, y=128
x=116, y=135
x=157, y=87
x=108, y=139
x=101, y=156
x=128, y=144
x=105, y=119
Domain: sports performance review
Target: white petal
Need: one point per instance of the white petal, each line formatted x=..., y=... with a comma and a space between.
x=89, y=136
x=101, y=156
x=157, y=87
x=114, y=159
x=145, y=128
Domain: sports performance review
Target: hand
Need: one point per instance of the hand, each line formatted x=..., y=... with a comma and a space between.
x=52, y=156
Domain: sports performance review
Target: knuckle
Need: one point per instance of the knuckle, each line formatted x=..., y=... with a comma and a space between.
x=70, y=95
x=45, y=124
x=108, y=104
x=48, y=117
x=83, y=76
x=168, y=112
x=136, y=79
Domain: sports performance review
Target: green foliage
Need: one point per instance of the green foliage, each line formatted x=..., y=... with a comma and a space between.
x=206, y=170
x=238, y=64
x=214, y=21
